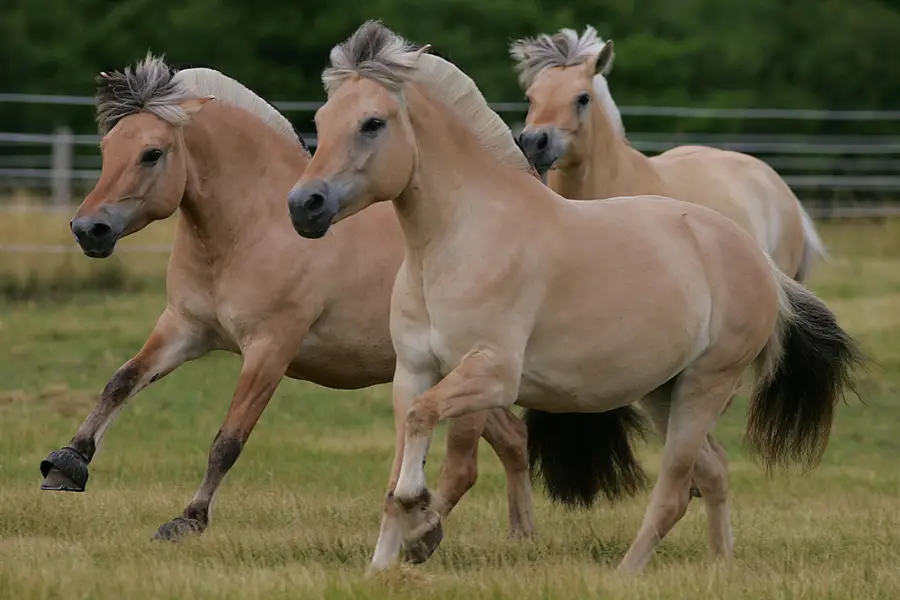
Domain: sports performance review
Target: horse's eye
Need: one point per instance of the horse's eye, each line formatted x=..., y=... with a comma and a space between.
x=582, y=100
x=372, y=126
x=151, y=156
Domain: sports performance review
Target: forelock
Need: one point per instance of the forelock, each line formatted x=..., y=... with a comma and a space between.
x=565, y=48
x=374, y=52
x=146, y=87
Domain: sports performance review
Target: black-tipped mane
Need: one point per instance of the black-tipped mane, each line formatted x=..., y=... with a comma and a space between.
x=149, y=85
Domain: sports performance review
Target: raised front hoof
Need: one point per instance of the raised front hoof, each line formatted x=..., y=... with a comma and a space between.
x=178, y=528
x=695, y=492
x=420, y=550
x=64, y=470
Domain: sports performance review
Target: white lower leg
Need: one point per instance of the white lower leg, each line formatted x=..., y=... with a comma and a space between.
x=411, y=482
x=390, y=539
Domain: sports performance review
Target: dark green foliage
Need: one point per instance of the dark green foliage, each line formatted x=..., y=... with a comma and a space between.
x=715, y=53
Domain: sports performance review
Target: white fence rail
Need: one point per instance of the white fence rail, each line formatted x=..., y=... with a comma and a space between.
x=833, y=170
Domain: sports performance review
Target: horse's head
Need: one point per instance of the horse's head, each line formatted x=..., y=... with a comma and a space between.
x=366, y=151
x=564, y=76
x=144, y=172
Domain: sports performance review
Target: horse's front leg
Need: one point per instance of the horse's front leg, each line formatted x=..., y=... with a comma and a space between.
x=405, y=387
x=172, y=342
x=458, y=474
x=507, y=435
x=265, y=363
x=481, y=381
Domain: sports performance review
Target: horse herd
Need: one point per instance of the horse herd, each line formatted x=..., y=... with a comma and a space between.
x=479, y=274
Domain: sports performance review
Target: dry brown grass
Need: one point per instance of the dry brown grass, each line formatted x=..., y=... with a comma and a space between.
x=298, y=516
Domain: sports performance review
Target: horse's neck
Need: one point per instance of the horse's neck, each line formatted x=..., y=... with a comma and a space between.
x=232, y=161
x=457, y=186
x=612, y=167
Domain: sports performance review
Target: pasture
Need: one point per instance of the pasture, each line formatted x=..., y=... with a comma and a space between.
x=298, y=515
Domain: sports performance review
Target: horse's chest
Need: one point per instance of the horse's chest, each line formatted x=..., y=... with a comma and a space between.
x=448, y=349
x=232, y=323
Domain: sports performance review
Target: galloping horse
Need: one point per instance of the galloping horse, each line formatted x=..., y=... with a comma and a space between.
x=574, y=133
x=239, y=278
x=510, y=293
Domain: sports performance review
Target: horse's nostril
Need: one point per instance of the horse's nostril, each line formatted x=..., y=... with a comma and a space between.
x=314, y=203
x=542, y=141
x=99, y=230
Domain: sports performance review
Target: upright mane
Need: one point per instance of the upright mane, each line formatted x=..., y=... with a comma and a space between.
x=377, y=53
x=155, y=87
x=566, y=48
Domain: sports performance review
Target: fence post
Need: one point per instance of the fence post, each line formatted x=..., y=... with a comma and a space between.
x=62, y=166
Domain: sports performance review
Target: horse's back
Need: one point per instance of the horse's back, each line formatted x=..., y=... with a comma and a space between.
x=742, y=187
x=690, y=257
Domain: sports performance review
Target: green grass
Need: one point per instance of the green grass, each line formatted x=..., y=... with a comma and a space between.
x=298, y=515
x=63, y=275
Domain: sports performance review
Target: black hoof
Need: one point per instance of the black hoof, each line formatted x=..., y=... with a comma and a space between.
x=65, y=470
x=421, y=550
x=179, y=528
x=695, y=492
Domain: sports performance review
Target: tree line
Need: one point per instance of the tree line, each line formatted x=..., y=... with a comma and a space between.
x=708, y=53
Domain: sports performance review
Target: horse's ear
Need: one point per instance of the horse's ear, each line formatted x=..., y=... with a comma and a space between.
x=422, y=50
x=603, y=61
x=195, y=104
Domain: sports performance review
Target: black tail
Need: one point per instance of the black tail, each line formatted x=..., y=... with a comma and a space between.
x=793, y=406
x=579, y=455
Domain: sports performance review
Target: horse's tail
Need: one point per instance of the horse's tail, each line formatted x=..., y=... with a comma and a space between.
x=580, y=455
x=813, y=247
x=802, y=372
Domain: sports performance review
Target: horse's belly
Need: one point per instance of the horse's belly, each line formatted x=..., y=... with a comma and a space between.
x=598, y=362
x=340, y=354
x=596, y=384
x=343, y=368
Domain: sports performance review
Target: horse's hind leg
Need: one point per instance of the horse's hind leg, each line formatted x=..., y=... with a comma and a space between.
x=264, y=366
x=657, y=405
x=711, y=474
x=171, y=343
x=710, y=477
x=697, y=400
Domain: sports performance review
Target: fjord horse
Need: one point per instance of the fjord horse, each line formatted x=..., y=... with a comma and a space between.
x=509, y=293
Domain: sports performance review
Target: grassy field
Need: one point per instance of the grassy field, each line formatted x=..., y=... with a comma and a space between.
x=298, y=515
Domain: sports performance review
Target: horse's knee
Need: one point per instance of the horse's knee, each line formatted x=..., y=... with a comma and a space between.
x=466, y=475
x=712, y=476
x=514, y=456
x=508, y=436
x=669, y=511
x=457, y=478
x=517, y=450
x=718, y=449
